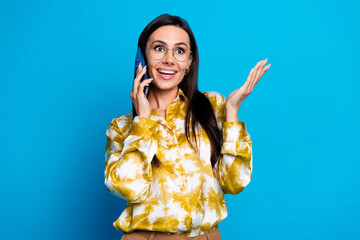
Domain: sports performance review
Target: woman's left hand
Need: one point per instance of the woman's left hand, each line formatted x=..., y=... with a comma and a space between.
x=235, y=98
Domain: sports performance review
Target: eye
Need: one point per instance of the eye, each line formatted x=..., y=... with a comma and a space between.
x=179, y=51
x=159, y=48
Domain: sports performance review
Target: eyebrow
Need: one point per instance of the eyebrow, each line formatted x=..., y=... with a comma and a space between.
x=176, y=44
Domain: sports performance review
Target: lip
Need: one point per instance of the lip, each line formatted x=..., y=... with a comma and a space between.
x=166, y=76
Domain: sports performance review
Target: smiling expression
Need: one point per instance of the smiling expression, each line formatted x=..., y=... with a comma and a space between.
x=167, y=72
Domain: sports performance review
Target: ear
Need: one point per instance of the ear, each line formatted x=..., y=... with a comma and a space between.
x=190, y=61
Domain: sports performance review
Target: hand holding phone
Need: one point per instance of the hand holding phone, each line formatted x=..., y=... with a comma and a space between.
x=140, y=59
x=138, y=94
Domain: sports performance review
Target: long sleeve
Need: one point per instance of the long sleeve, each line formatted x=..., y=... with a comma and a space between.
x=128, y=170
x=185, y=193
x=235, y=163
x=234, y=166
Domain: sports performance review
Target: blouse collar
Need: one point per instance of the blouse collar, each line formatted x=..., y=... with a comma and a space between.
x=157, y=117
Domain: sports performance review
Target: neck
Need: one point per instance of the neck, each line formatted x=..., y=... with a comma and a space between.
x=160, y=99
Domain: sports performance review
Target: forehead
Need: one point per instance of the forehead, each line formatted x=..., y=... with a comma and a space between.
x=169, y=34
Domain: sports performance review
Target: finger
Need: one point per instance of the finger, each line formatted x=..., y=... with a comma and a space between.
x=138, y=79
x=258, y=72
x=139, y=69
x=252, y=77
x=142, y=85
x=258, y=64
x=141, y=72
x=254, y=81
x=264, y=70
x=248, y=80
x=255, y=71
x=139, y=90
x=259, y=75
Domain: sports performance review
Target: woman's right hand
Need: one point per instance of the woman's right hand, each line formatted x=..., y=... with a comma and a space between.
x=141, y=103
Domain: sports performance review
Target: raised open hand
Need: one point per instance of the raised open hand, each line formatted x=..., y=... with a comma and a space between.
x=235, y=98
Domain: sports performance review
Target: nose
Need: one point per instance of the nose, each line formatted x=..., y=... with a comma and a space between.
x=169, y=57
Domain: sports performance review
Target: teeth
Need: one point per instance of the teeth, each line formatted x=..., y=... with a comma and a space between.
x=166, y=72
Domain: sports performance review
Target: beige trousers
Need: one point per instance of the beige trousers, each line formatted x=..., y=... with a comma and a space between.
x=147, y=235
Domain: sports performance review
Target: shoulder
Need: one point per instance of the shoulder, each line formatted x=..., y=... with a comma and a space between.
x=216, y=99
x=122, y=123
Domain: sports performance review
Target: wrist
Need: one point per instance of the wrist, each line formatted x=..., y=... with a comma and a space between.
x=144, y=114
x=231, y=114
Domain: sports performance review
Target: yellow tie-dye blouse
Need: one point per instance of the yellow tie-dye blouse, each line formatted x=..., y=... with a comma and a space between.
x=184, y=194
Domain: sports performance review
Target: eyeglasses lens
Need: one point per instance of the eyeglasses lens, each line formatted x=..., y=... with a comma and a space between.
x=159, y=51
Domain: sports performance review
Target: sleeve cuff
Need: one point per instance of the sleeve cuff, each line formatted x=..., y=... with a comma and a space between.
x=233, y=133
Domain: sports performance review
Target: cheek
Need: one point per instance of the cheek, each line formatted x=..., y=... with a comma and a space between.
x=183, y=66
x=151, y=68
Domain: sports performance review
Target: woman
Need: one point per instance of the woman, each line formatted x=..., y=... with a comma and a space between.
x=176, y=155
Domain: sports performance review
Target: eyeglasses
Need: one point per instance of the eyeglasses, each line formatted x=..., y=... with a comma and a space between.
x=159, y=51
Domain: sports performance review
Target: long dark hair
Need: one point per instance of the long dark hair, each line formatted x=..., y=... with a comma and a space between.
x=199, y=109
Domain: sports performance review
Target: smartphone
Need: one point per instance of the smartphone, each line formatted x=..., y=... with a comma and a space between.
x=140, y=59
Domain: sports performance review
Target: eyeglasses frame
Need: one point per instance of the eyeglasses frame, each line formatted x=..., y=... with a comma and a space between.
x=166, y=52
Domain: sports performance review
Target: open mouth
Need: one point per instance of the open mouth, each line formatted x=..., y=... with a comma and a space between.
x=166, y=74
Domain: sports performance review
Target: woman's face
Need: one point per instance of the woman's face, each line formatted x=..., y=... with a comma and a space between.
x=170, y=37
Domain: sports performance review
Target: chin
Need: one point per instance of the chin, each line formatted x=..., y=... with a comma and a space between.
x=165, y=85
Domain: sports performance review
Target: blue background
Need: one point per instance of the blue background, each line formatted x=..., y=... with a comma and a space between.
x=66, y=70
